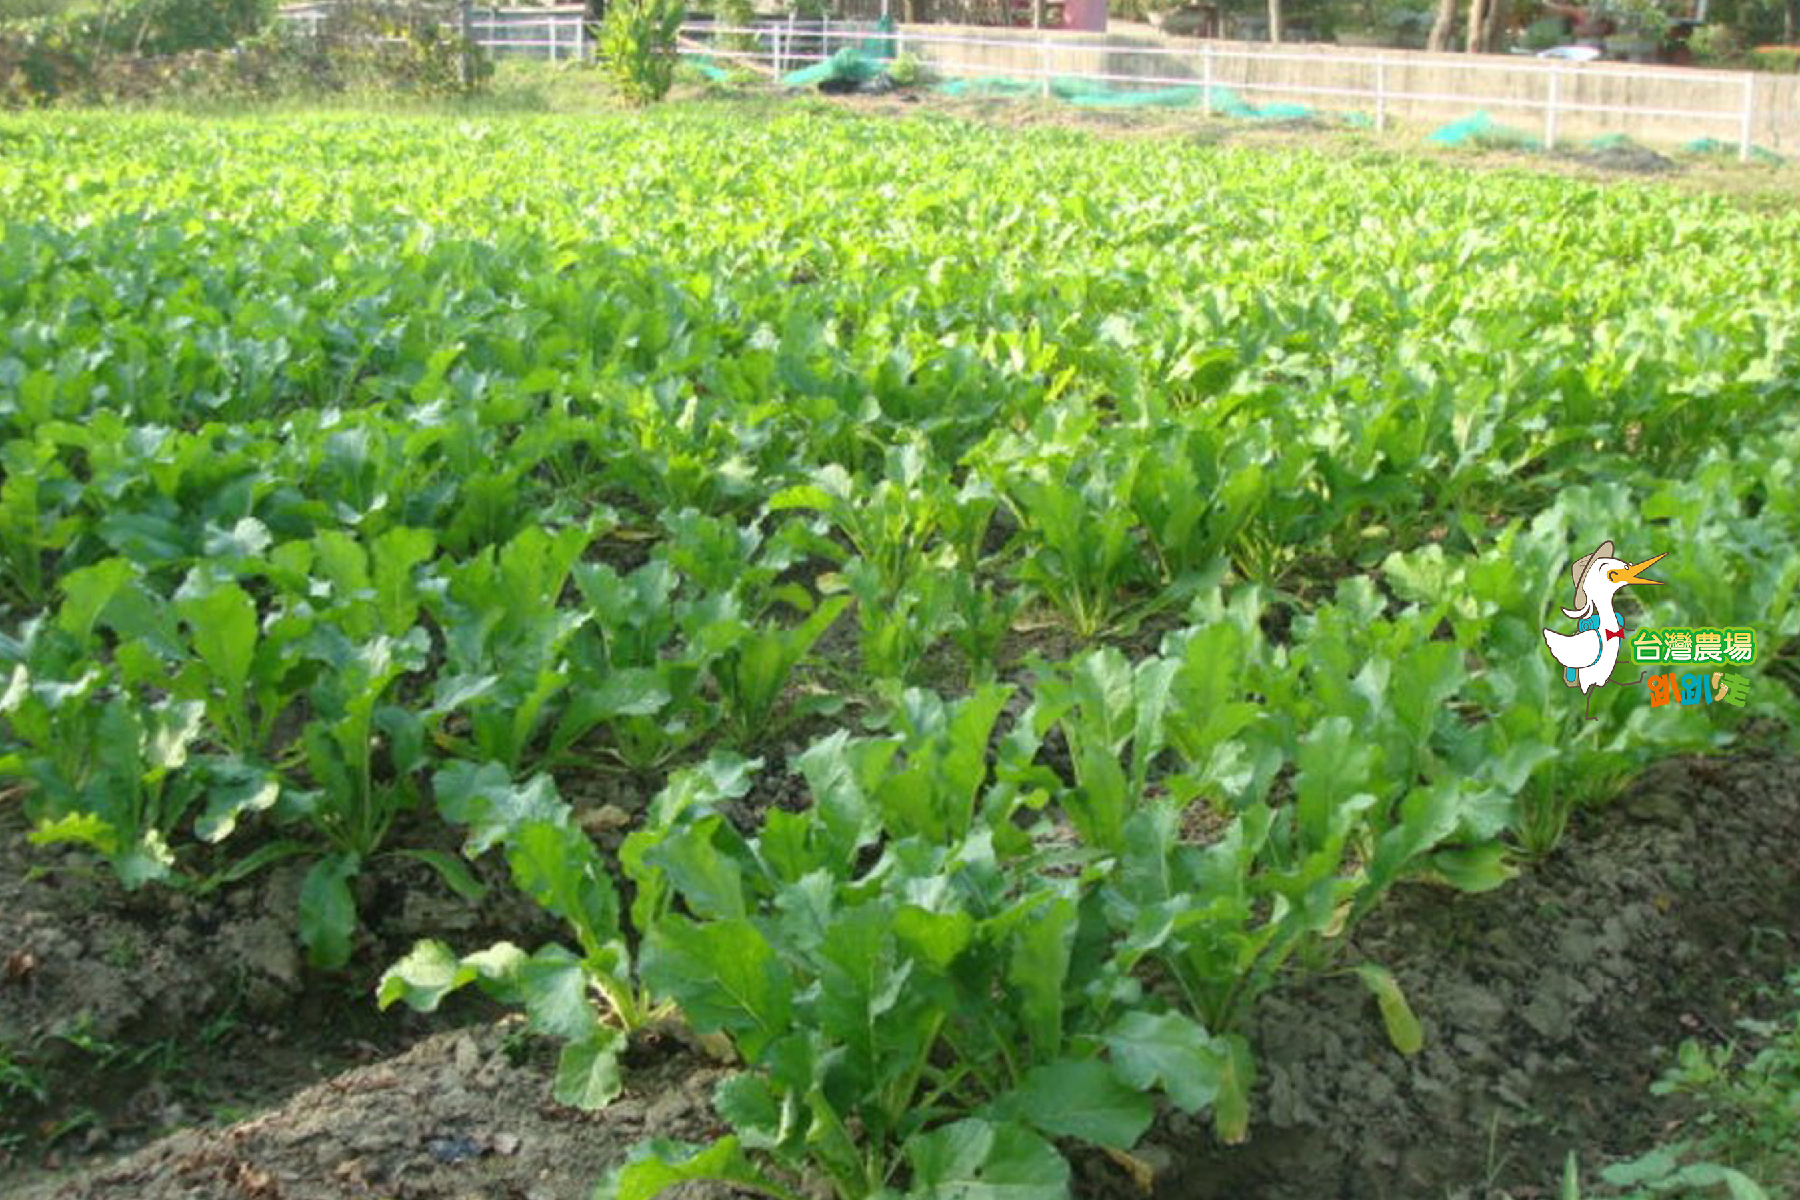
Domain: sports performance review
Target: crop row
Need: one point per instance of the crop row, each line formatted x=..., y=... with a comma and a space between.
x=1154, y=573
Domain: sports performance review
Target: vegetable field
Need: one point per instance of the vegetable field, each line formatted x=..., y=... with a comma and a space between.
x=1025, y=599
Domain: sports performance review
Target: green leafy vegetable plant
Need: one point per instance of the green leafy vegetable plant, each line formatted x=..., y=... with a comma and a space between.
x=895, y=896
x=586, y=998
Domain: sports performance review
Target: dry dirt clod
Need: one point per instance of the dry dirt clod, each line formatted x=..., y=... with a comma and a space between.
x=467, y=1057
x=19, y=965
x=605, y=819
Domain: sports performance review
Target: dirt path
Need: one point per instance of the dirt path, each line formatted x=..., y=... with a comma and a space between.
x=459, y=1116
x=124, y=1015
x=1545, y=1005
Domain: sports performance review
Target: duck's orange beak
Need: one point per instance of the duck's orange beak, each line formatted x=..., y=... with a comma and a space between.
x=1630, y=574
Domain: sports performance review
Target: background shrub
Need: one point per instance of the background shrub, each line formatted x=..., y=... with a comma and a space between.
x=637, y=47
x=1776, y=58
x=233, y=50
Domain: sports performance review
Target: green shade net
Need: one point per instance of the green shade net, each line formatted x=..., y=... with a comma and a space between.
x=1482, y=130
x=988, y=85
x=849, y=64
x=1096, y=94
x=707, y=67
x=853, y=64
x=881, y=45
x=1707, y=145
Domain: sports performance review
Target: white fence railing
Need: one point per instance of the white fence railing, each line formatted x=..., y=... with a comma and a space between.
x=782, y=45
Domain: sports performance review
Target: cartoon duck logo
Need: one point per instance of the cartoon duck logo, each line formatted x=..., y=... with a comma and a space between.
x=1590, y=653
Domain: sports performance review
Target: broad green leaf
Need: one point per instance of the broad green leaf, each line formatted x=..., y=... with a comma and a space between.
x=707, y=877
x=553, y=985
x=452, y=870
x=1170, y=1051
x=863, y=1001
x=223, y=625
x=1402, y=1027
x=1231, y=1108
x=1334, y=764
x=557, y=866
x=975, y=1159
x=786, y=846
x=1037, y=968
x=1742, y=1187
x=749, y=1105
x=173, y=728
x=936, y=937
x=627, y=692
x=1476, y=869
x=1652, y=1167
x=429, y=972
x=457, y=691
x=660, y=1164
x=82, y=829
x=587, y=1072
x=396, y=553
x=233, y=789
x=403, y=734
x=328, y=911
x=246, y=539
x=499, y=965
x=842, y=775
x=801, y=496
x=725, y=976
x=485, y=799
x=149, y=859
x=86, y=593
x=1086, y=1100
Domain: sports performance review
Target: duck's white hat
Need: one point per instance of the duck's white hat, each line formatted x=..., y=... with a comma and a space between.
x=1580, y=571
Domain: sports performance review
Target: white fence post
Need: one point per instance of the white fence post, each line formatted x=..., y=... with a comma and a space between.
x=1749, y=109
x=581, y=38
x=1380, y=94
x=1044, y=64
x=552, y=22
x=465, y=26
x=1206, y=78
x=1550, y=109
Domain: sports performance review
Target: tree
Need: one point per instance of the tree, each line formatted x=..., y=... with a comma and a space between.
x=1443, y=26
x=1495, y=27
x=1274, y=20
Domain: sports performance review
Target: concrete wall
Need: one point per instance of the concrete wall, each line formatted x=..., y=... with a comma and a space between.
x=1442, y=87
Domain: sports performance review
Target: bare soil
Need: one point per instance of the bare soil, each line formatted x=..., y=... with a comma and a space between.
x=126, y=1014
x=460, y=1115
